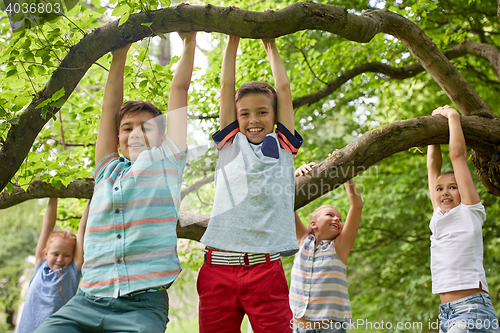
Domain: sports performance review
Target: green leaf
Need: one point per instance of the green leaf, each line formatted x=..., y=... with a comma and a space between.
x=124, y=18
x=161, y=35
x=56, y=183
x=11, y=72
x=14, y=120
x=59, y=103
x=147, y=24
x=120, y=10
x=67, y=180
x=9, y=187
x=58, y=94
x=44, y=103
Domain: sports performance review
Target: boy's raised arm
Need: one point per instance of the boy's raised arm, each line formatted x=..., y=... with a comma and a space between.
x=228, y=82
x=434, y=163
x=78, y=257
x=300, y=229
x=107, y=136
x=282, y=84
x=49, y=222
x=458, y=156
x=345, y=240
x=177, y=103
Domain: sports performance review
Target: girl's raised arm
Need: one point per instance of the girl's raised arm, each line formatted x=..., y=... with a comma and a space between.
x=49, y=222
x=345, y=241
x=458, y=156
x=434, y=162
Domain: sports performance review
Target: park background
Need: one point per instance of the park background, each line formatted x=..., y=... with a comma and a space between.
x=363, y=86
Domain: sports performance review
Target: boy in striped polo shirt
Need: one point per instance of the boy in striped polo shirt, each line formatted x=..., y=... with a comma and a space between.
x=130, y=243
x=252, y=221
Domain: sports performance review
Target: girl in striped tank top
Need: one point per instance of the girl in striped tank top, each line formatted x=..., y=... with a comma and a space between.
x=318, y=291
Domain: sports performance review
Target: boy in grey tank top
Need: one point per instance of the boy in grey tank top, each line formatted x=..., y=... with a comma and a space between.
x=252, y=221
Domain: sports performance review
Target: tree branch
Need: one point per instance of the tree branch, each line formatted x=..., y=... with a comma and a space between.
x=435, y=63
x=481, y=134
x=246, y=24
x=397, y=73
x=489, y=52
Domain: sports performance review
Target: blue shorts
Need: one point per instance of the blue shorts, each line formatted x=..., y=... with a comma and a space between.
x=144, y=313
x=471, y=314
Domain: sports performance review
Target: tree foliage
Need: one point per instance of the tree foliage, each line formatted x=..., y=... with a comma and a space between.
x=364, y=78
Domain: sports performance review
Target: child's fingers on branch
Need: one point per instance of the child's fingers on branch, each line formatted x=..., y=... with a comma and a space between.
x=233, y=38
x=187, y=35
x=271, y=42
x=444, y=111
x=304, y=169
x=330, y=154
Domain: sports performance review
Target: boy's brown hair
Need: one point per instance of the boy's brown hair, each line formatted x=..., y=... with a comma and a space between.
x=139, y=106
x=257, y=87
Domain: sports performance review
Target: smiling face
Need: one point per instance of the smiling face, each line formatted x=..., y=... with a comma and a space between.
x=326, y=223
x=59, y=253
x=447, y=194
x=137, y=132
x=256, y=116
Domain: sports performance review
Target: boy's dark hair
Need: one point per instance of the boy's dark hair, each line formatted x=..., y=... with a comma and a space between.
x=140, y=106
x=257, y=87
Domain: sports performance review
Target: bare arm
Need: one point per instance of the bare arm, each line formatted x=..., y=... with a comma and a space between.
x=282, y=85
x=49, y=222
x=434, y=163
x=177, y=103
x=78, y=257
x=107, y=136
x=458, y=156
x=300, y=228
x=345, y=241
x=227, y=106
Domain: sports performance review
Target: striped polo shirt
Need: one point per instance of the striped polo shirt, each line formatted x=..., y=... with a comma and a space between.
x=254, y=193
x=318, y=288
x=130, y=240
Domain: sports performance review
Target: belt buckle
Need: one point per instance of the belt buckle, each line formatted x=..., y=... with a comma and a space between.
x=242, y=256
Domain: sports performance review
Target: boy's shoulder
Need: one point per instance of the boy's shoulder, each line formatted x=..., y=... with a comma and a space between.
x=224, y=137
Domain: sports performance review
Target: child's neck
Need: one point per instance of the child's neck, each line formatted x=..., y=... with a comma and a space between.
x=319, y=239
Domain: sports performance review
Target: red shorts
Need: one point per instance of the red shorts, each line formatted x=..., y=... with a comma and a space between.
x=229, y=292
